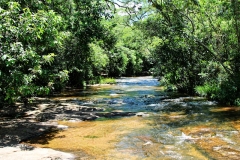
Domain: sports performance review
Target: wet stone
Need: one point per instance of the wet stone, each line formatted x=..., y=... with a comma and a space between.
x=175, y=127
x=142, y=114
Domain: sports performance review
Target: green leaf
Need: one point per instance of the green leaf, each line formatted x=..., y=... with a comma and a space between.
x=4, y=57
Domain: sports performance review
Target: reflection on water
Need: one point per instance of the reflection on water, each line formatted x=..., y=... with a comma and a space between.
x=177, y=128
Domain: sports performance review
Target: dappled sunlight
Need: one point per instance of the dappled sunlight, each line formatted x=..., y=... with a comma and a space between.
x=96, y=139
x=225, y=109
x=165, y=126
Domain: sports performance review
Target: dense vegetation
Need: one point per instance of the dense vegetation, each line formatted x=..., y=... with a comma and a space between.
x=199, y=46
x=192, y=45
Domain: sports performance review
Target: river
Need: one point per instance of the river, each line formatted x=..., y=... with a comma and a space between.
x=166, y=125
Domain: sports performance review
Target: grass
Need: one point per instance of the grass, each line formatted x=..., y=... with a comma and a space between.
x=91, y=136
x=107, y=81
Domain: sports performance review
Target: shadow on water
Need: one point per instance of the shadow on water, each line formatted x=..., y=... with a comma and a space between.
x=168, y=127
x=193, y=115
x=16, y=132
x=45, y=138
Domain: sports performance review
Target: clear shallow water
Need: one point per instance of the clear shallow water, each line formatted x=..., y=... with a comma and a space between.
x=167, y=128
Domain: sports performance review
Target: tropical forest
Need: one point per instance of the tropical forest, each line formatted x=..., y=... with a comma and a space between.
x=119, y=79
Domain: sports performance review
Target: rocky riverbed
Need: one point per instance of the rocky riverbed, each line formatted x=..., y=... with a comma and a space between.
x=134, y=119
x=20, y=123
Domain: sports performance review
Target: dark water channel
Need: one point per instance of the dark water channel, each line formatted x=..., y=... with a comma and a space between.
x=167, y=125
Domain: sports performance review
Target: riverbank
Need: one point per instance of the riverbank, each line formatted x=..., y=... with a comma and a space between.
x=166, y=125
x=20, y=123
x=13, y=153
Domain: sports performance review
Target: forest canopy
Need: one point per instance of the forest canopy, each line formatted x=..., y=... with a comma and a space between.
x=191, y=45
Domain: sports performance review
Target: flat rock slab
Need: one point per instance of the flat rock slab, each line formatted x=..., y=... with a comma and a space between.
x=13, y=153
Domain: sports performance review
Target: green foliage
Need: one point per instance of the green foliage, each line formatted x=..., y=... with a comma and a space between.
x=118, y=62
x=198, y=46
x=192, y=45
x=45, y=45
x=99, y=59
x=208, y=90
x=107, y=81
x=82, y=47
x=130, y=55
x=220, y=92
x=27, y=45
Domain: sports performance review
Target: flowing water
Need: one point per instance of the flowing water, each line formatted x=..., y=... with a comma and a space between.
x=167, y=125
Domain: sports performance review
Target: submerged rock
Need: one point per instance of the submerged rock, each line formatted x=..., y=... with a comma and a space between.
x=115, y=114
x=142, y=114
x=62, y=127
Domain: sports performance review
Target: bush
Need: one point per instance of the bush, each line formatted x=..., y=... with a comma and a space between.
x=225, y=92
x=107, y=81
x=208, y=90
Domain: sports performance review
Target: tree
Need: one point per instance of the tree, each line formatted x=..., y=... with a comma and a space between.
x=200, y=46
x=27, y=44
x=44, y=43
